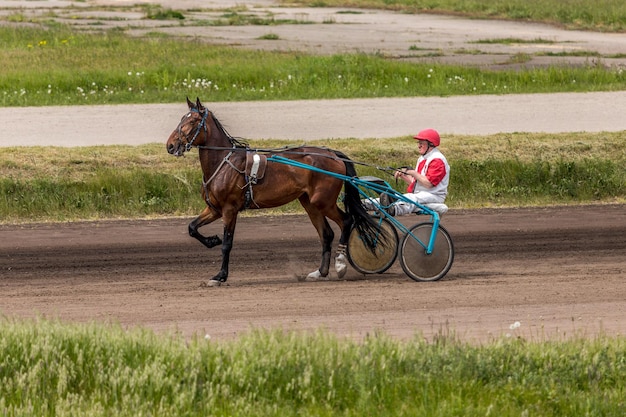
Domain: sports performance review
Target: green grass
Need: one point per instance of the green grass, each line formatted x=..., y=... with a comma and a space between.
x=48, y=368
x=509, y=41
x=269, y=37
x=59, y=184
x=158, y=13
x=57, y=66
x=601, y=15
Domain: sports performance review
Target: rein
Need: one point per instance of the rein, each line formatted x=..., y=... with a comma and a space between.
x=238, y=145
x=286, y=150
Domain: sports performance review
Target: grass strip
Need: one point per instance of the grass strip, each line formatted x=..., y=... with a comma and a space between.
x=50, y=368
x=57, y=66
x=521, y=169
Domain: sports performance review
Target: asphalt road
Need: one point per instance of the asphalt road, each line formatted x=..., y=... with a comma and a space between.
x=319, y=119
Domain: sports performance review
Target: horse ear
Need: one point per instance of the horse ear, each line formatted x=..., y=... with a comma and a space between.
x=199, y=105
x=190, y=104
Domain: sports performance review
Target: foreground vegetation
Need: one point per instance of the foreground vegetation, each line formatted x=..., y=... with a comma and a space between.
x=58, y=184
x=57, y=66
x=48, y=368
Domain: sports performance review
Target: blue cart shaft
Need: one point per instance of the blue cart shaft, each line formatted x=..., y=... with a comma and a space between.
x=362, y=185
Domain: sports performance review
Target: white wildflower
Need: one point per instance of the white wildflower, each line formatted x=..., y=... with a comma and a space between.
x=515, y=325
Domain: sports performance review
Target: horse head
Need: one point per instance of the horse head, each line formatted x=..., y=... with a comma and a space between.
x=191, y=131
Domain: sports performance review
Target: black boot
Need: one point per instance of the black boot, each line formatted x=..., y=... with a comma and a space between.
x=386, y=201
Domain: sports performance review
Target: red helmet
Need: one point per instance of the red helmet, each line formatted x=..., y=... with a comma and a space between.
x=430, y=135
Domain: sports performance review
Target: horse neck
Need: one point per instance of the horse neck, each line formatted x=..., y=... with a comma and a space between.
x=220, y=147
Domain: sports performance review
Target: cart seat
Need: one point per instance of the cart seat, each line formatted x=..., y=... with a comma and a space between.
x=373, y=179
x=440, y=208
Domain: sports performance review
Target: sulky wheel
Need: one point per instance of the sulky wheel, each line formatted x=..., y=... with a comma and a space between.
x=361, y=257
x=419, y=265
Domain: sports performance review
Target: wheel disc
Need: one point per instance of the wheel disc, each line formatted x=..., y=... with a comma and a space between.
x=361, y=257
x=419, y=265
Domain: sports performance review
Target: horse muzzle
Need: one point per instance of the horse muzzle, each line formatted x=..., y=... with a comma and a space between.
x=176, y=148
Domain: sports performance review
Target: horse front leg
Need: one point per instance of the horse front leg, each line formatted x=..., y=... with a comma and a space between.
x=227, y=245
x=207, y=216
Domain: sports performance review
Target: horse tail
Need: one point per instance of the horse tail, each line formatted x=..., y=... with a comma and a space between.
x=365, y=224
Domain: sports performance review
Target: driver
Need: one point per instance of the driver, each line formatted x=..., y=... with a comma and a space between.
x=427, y=183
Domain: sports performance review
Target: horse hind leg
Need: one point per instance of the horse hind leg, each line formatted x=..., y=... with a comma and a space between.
x=326, y=235
x=341, y=258
x=344, y=221
x=341, y=264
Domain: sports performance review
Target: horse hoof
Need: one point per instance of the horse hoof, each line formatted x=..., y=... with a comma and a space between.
x=340, y=265
x=211, y=283
x=316, y=276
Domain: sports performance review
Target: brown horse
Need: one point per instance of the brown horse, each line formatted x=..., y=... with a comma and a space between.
x=228, y=187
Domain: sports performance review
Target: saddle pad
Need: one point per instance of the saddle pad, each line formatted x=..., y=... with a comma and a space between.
x=255, y=166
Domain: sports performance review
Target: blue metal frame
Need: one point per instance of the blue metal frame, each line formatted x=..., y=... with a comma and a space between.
x=361, y=184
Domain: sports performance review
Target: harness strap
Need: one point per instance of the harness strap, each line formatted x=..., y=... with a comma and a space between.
x=219, y=167
x=205, y=184
x=248, y=185
x=227, y=160
x=207, y=200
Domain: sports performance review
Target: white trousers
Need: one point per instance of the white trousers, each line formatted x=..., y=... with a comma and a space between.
x=402, y=208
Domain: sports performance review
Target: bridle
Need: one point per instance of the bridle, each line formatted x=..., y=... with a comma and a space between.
x=200, y=126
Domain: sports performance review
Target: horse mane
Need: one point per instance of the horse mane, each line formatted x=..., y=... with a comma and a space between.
x=242, y=144
x=236, y=142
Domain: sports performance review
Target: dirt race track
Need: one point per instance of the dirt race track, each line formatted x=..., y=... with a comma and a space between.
x=560, y=272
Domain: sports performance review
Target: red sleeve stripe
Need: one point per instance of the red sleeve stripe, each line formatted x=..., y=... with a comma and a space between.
x=436, y=171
